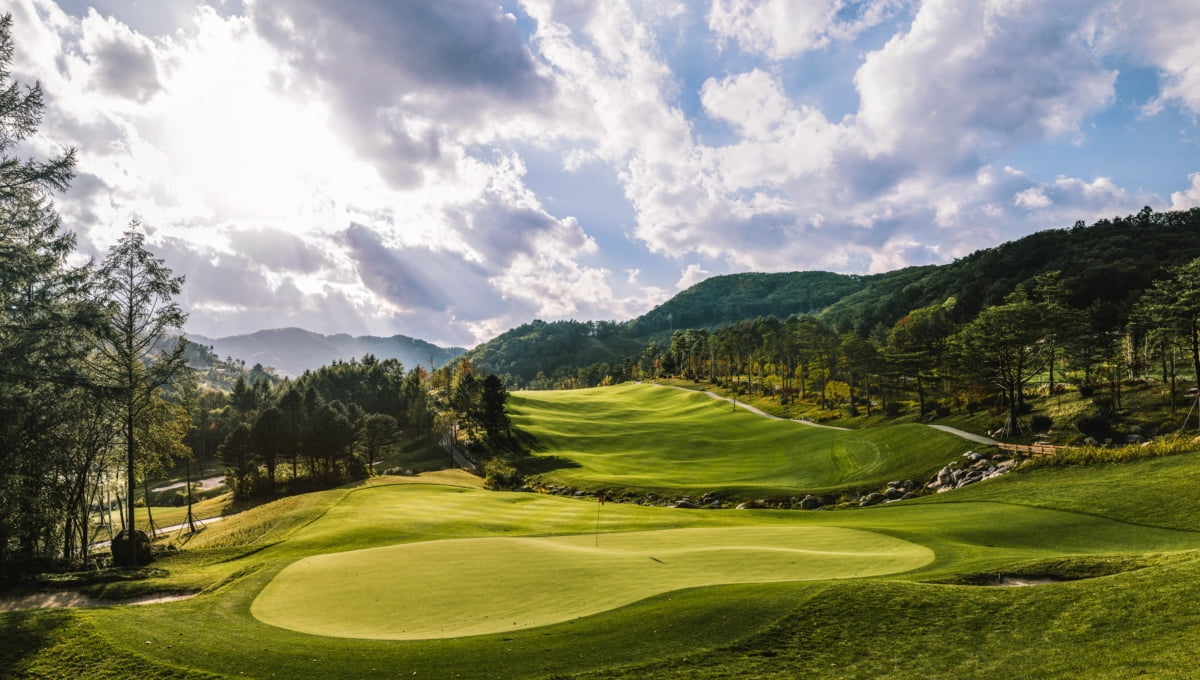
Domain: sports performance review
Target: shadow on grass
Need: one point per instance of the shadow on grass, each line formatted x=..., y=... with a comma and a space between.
x=541, y=464
x=26, y=635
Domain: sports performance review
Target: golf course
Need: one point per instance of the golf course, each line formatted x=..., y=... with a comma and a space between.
x=646, y=437
x=433, y=576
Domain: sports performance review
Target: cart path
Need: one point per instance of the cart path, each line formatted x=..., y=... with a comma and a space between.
x=969, y=436
x=756, y=411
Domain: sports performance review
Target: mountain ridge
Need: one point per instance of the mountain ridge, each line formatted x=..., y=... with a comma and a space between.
x=293, y=350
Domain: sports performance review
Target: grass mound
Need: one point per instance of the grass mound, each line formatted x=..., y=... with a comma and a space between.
x=441, y=589
x=644, y=437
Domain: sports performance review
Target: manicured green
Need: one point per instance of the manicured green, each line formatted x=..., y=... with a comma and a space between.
x=442, y=589
x=648, y=437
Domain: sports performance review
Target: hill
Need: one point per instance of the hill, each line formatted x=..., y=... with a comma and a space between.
x=292, y=351
x=1104, y=267
x=722, y=300
x=1111, y=261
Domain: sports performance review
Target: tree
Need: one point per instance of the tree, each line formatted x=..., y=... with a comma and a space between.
x=269, y=437
x=138, y=291
x=918, y=345
x=1172, y=304
x=45, y=315
x=378, y=432
x=1004, y=344
x=497, y=429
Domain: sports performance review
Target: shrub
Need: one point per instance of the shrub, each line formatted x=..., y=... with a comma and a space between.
x=498, y=475
x=1086, y=391
x=1096, y=427
x=1041, y=423
x=892, y=409
x=1092, y=455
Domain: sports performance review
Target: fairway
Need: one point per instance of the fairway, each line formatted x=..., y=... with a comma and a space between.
x=455, y=588
x=646, y=437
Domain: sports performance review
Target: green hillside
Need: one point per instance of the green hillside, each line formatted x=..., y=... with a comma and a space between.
x=1110, y=261
x=1104, y=268
x=723, y=300
x=651, y=438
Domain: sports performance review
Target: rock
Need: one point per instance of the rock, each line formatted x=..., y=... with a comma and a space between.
x=893, y=493
x=895, y=484
x=810, y=502
x=714, y=504
x=1134, y=439
x=684, y=503
x=946, y=476
x=908, y=496
x=870, y=499
x=973, y=457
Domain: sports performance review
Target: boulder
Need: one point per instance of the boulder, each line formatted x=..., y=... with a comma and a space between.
x=685, y=503
x=894, y=493
x=871, y=499
x=810, y=502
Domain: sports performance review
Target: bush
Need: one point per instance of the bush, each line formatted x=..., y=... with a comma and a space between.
x=1091, y=455
x=1086, y=391
x=1096, y=427
x=1041, y=423
x=892, y=409
x=499, y=475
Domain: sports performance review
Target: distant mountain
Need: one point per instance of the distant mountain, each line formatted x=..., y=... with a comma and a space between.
x=291, y=351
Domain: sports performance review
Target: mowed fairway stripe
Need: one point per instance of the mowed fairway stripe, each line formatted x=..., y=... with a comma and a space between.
x=461, y=587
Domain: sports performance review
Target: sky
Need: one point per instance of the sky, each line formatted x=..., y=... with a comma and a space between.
x=451, y=169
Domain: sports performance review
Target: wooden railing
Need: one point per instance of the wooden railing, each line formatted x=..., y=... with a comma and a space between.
x=1031, y=449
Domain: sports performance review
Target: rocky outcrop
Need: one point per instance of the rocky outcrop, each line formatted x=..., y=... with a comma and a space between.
x=975, y=468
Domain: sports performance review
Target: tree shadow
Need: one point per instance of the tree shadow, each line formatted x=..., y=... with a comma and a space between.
x=540, y=464
x=26, y=633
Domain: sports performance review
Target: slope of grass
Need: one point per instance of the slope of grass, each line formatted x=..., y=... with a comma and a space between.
x=645, y=437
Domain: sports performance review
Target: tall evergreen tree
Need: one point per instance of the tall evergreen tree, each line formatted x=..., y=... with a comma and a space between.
x=138, y=290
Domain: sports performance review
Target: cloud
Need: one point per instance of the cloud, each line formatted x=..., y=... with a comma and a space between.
x=1160, y=33
x=692, y=275
x=277, y=249
x=971, y=80
x=781, y=29
x=123, y=62
x=407, y=80
x=1188, y=198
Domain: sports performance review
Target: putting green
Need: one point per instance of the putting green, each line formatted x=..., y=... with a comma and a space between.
x=461, y=587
